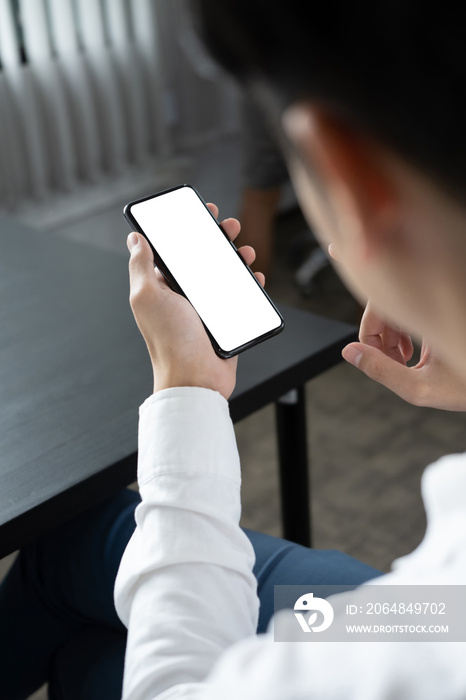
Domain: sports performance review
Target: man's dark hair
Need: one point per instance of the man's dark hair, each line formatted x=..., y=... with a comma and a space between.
x=395, y=69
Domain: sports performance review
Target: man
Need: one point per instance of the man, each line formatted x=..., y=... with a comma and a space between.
x=378, y=165
x=372, y=129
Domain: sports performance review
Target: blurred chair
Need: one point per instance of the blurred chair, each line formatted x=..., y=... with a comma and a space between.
x=98, y=102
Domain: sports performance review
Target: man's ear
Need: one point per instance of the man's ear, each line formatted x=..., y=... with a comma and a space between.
x=351, y=169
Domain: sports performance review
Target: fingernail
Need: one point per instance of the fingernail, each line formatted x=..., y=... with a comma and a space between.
x=352, y=355
x=132, y=241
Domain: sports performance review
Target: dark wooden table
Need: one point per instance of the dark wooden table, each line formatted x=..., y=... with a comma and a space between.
x=74, y=369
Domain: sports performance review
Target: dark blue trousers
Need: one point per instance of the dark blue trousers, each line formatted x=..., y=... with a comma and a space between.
x=57, y=618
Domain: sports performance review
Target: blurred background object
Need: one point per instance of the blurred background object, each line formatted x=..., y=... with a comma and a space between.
x=100, y=100
x=265, y=191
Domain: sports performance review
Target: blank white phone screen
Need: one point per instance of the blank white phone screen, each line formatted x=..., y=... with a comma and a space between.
x=208, y=270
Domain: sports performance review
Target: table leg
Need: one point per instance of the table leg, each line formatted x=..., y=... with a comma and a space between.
x=290, y=411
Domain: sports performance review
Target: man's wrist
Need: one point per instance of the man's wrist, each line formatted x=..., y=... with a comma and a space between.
x=217, y=375
x=174, y=381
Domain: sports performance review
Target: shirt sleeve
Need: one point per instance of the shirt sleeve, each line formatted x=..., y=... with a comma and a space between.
x=185, y=588
x=186, y=591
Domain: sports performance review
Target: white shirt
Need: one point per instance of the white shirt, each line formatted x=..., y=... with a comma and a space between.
x=186, y=591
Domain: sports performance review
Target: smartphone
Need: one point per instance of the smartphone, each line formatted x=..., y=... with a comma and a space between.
x=199, y=261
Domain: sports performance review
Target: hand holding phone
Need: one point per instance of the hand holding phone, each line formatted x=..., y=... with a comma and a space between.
x=201, y=263
x=179, y=347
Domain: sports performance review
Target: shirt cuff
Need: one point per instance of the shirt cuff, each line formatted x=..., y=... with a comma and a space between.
x=186, y=429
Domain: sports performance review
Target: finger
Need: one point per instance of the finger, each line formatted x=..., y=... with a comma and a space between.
x=260, y=278
x=371, y=328
x=380, y=334
x=141, y=265
x=377, y=366
x=248, y=254
x=391, y=338
x=141, y=255
x=213, y=208
x=406, y=346
x=332, y=251
x=426, y=355
x=232, y=227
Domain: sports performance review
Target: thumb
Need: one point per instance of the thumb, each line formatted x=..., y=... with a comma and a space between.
x=141, y=265
x=142, y=258
x=381, y=368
